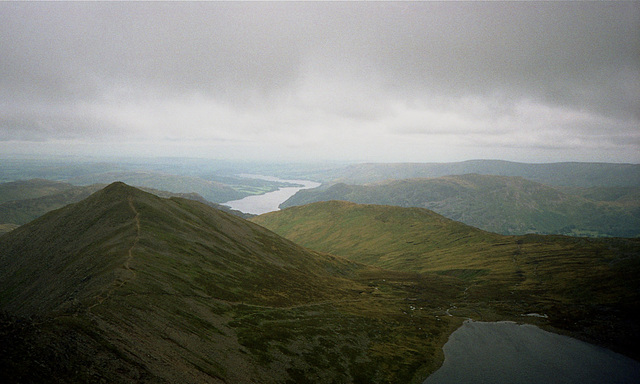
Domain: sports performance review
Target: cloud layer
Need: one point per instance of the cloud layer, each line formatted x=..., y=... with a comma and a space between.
x=370, y=81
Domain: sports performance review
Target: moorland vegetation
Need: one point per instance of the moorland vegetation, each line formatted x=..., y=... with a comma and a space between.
x=115, y=284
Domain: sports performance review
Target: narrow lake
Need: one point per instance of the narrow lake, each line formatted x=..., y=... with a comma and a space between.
x=269, y=202
x=506, y=352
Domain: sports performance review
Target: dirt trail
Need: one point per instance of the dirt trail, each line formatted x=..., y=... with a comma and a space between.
x=127, y=264
x=135, y=241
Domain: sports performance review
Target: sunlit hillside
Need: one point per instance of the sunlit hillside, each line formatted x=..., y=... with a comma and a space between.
x=586, y=286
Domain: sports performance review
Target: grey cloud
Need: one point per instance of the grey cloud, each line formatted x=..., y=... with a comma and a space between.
x=40, y=122
x=347, y=62
x=57, y=48
x=580, y=54
x=556, y=50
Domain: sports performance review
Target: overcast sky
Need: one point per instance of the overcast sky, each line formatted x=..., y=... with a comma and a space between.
x=358, y=81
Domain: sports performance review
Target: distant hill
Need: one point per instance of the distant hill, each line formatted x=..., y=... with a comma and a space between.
x=30, y=189
x=23, y=211
x=555, y=174
x=583, y=285
x=212, y=191
x=621, y=195
x=125, y=286
x=215, y=180
x=506, y=205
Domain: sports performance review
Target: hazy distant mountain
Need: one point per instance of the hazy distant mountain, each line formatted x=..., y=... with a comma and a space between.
x=213, y=191
x=556, y=174
x=507, y=205
x=210, y=190
x=22, y=211
x=30, y=189
x=216, y=180
x=125, y=286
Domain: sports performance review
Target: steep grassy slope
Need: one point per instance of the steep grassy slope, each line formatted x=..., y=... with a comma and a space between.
x=590, y=287
x=125, y=286
x=507, y=205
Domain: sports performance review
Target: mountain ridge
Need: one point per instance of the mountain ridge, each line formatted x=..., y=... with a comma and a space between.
x=570, y=174
x=130, y=287
x=503, y=204
x=29, y=199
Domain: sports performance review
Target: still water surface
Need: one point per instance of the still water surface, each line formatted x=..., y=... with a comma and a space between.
x=269, y=202
x=506, y=352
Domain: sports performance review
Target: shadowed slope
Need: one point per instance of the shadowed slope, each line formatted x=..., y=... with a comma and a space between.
x=22, y=211
x=67, y=256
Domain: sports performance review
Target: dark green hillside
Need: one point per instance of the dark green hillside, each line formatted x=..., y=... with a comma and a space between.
x=125, y=286
x=79, y=246
x=507, y=205
x=556, y=174
x=586, y=286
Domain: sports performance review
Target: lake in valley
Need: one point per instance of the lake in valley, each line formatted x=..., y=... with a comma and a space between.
x=506, y=352
x=269, y=202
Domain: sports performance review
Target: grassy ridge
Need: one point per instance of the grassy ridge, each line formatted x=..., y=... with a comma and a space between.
x=585, y=286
